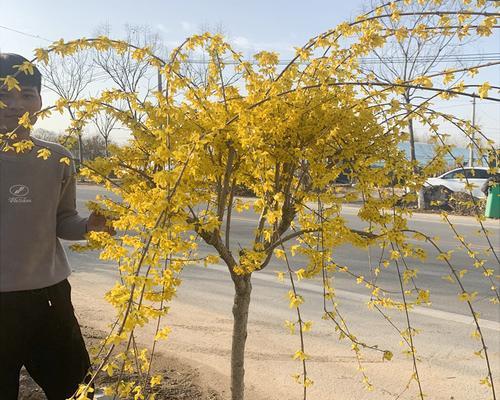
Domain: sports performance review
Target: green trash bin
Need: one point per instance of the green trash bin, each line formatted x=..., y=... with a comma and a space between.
x=493, y=202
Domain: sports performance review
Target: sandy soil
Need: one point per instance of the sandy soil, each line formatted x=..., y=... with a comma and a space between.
x=200, y=342
x=199, y=349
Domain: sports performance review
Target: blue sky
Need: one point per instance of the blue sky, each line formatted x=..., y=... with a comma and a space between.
x=273, y=23
x=251, y=26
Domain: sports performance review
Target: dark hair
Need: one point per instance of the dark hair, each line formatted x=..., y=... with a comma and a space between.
x=7, y=62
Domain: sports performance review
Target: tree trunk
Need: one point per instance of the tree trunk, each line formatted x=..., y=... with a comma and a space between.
x=243, y=289
x=413, y=154
x=106, y=152
x=80, y=149
x=413, y=158
x=80, y=142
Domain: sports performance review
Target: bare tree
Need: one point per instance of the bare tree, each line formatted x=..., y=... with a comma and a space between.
x=416, y=55
x=105, y=123
x=69, y=78
x=196, y=68
x=128, y=74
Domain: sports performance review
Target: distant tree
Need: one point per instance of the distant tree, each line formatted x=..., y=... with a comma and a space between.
x=104, y=123
x=69, y=78
x=47, y=135
x=95, y=146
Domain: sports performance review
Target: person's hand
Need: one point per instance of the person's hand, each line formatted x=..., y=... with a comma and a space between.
x=97, y=223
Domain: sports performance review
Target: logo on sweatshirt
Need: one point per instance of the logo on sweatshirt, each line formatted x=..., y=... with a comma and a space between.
x=19, y=194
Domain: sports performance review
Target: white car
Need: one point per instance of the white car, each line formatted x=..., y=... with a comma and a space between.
x=456, y=179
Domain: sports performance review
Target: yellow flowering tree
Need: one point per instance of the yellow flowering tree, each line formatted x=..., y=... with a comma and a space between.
x=286, y=134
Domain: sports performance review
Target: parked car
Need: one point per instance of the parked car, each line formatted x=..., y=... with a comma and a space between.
x=456, y=179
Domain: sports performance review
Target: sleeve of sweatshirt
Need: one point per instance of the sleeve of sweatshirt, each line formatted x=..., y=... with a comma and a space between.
x=70, y=226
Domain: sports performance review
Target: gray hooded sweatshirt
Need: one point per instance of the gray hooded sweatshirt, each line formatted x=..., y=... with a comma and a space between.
x=37, y=207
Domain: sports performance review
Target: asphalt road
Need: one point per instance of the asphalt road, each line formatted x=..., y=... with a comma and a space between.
x=430, y=272
x=446, y=326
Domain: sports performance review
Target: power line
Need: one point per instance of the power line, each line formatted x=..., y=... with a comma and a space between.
x=381, y=60
x=26, y=34
x=469, y=57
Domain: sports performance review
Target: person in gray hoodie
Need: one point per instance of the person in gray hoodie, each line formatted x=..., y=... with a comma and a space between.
x=38, y=327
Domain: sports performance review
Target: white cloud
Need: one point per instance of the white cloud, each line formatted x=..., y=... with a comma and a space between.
x=162, y=28
x=187, y=26
x=242, y=43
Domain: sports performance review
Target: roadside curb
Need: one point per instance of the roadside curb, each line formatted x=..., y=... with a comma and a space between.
x=459, y=219
x=414, y=215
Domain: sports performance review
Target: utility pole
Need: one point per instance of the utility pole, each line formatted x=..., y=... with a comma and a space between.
x=472, y=139
x=160, y=85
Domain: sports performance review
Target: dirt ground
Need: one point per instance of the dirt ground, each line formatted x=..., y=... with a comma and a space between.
x=195, y=359
x=180, y=382
x=200, y=344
